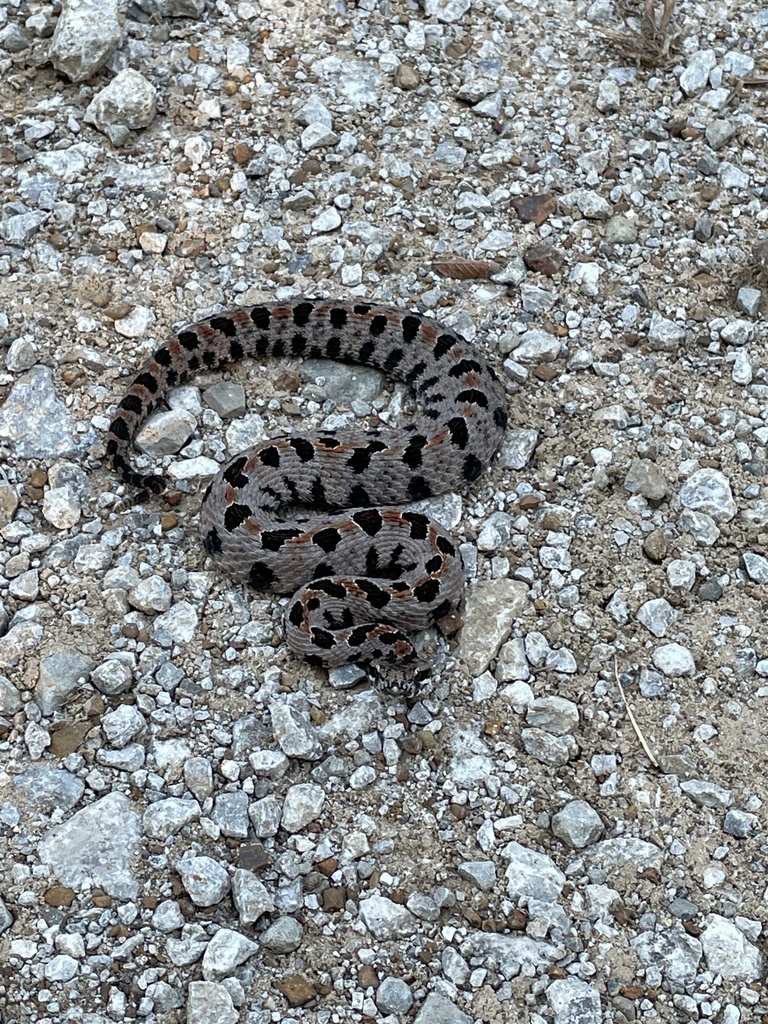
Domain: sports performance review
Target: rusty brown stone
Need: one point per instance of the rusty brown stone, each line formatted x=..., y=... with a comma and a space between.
x=296, y=989
x=535, y=209
x=60, y=896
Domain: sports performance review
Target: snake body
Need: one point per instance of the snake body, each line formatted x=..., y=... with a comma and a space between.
x=364, y=578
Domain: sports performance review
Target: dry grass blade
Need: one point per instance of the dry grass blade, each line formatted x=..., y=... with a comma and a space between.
x=660, y=26
x=631, y=717
x=466, y=270
x=647, y=37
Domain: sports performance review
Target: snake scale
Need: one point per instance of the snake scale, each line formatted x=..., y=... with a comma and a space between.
x=363, y=574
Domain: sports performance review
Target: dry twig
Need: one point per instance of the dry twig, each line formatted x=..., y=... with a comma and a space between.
x=631, y=717
x=646, y=40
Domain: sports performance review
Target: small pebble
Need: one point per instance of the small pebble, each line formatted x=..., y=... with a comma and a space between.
x=394, y=996
x=674, y=660
x=748, y=300
x=577, y=824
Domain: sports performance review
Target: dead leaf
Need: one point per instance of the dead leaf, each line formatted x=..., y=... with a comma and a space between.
x=466, y=270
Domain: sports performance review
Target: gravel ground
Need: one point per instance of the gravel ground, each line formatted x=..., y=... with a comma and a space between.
x=195, y=826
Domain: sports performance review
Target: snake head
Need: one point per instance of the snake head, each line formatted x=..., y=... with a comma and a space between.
x=408, y=681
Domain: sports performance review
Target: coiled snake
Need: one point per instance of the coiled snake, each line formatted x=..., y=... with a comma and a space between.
x=364, y=578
